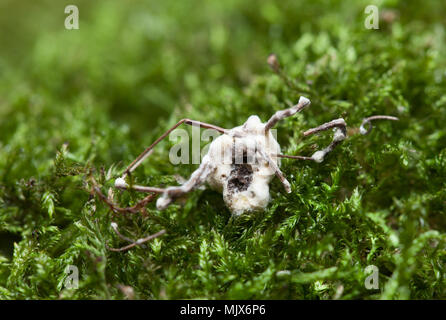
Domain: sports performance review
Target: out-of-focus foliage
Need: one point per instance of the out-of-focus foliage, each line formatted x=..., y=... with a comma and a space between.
x=93, y=98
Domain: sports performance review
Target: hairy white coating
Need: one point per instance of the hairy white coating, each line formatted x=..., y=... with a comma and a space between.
x=338, y=136
x=120, y=183
x=303, y=100
x=242, y=161
x=318, y=156
x=363, y=130
x=240, y=173
x=163, y=202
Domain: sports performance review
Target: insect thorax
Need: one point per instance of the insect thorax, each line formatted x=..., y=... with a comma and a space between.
x=241, y=173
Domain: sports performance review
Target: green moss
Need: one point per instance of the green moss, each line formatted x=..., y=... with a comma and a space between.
x=92, y=99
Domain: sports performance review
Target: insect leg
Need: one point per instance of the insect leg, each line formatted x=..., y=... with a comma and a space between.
x=132, y=243
x=114, y=207
x=148, y=150
x=276, y=169
x=368, y=120
x=340, y=134
x=282, y=114
x=197, y=178
x=293, y=157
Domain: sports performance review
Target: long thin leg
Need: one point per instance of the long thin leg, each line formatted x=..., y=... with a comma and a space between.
x=340, y=135
x=121, y=184
x=148, y=150
x=136, y=208
x=114, y=226
x=197, y=178
x=293, y=157
x=132, y=243
x=277, y=171
x=339, y=123
x=282, y=114
x=368, y=120
x=115, y=208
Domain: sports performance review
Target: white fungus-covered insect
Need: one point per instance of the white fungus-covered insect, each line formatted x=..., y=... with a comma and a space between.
x=241, y=164
x=242, y=161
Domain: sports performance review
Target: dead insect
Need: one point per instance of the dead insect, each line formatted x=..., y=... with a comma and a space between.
x=241, y=161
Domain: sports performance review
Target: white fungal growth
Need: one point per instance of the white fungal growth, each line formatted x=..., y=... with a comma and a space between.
x=241, y=173
x=120, y=183
x=363, y=130
x=283, y=273
x=242, y=161
x=338, y=136
x=240, y=164
x=304, y=101
x=163, y=201
x=318, y=156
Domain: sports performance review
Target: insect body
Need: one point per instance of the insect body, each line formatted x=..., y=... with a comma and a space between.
x=241, y=164
x=242, y=161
